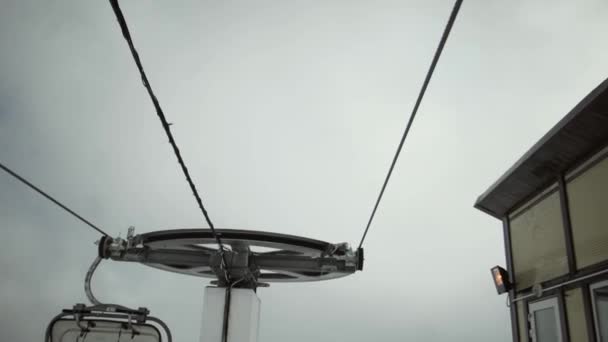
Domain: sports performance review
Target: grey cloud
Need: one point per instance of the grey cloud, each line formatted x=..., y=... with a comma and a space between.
x=288, y=115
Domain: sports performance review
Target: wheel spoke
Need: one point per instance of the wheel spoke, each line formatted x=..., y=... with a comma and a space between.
x=266, y=256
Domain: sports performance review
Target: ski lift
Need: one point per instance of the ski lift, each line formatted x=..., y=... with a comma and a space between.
x=248, y=260
x=103, y=323
x=254, y=258
x=245, y=261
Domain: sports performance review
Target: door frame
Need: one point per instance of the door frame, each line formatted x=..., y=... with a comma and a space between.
x=592, y=287
x=551, y=302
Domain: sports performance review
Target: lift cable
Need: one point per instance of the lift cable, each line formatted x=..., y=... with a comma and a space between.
x=127, y=35
x=427, y=79
x=50, y=198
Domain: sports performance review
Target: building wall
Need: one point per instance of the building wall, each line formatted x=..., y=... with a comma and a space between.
x=575, y=314
x=538, y=244
x=538, y=238
x=542, y=236
x=588, y=200
x=522, y=321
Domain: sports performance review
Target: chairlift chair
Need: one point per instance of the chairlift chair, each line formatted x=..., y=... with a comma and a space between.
x=106, y=323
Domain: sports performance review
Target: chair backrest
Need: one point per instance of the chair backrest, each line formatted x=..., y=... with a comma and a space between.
x=100, y=330
x=106, y=324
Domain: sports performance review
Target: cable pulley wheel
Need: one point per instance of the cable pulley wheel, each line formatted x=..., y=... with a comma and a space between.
x=252, y=257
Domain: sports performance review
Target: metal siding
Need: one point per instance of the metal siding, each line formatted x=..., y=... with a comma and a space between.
x=514, y=318
x=563, y=316
x=575, y=311
x=537, y=241
x=508, y=249
x=563, y=196
x=522, y=321
x=588, y=307
x=511, y=294
x=588, y=200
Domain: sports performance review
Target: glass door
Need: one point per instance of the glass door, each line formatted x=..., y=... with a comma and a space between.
x=544, y=321
x=599, y=293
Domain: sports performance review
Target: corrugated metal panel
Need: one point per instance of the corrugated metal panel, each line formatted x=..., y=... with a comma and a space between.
x=523, y=322
x=575, y=311
x=588, y=199
x=578, y=135
x=538, y=246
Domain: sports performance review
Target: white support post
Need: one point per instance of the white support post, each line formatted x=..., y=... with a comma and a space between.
x=243, y=317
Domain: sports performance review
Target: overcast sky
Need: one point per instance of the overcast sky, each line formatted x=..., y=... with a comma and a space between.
x=287, y=114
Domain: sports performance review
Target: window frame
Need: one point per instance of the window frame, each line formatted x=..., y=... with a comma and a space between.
x=596, y=326
x=545, y=303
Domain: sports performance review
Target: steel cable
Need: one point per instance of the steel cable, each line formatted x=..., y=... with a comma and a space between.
x=427, y=79
x=50, y=198
x=166, y=126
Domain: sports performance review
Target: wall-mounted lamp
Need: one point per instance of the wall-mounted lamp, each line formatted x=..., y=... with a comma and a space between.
x=501, y=279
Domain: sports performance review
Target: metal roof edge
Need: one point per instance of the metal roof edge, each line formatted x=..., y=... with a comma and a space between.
x=578, y=108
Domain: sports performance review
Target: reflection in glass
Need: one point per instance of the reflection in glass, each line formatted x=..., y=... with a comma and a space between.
x=601, y=309
x=546, y=325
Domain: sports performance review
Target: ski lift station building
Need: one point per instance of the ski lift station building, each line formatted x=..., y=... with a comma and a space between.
x=553, y=204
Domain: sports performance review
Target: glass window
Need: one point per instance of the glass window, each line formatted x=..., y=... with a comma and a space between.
x=537, y=242
x=599, y=293
x=588, y=200
x=545, y=321
x=546, y=326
